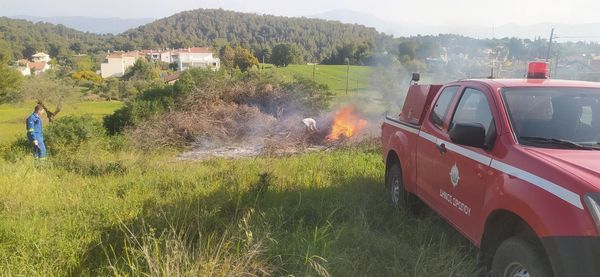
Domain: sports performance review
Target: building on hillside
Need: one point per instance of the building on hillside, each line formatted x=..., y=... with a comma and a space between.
x=185, y=58
x=194, y=57
x=41, y=57
x=166, y=56
x=38, y=68
x=39, y=65
x=23, y=67
x=24, y=70
x=152, y=55
x=117, y=63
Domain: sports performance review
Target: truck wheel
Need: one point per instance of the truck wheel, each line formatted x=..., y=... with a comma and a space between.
x=517, y=257
x=395, y=187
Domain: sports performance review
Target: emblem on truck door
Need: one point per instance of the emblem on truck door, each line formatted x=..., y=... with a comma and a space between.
x=454, y=177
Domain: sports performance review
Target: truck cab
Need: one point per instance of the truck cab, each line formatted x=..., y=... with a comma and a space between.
x=512, y=164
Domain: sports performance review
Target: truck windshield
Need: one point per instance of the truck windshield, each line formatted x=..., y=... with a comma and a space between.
x=566, y=118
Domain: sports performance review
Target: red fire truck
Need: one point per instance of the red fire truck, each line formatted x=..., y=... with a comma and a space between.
x=512, y=164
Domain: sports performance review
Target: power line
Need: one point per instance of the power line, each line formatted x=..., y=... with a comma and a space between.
x=557, y=37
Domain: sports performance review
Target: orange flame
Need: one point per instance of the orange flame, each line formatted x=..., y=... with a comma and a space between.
x=346, y=124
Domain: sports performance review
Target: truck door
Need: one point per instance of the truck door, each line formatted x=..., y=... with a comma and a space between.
x=427, y=151
x=463, y=187
x=459, y=172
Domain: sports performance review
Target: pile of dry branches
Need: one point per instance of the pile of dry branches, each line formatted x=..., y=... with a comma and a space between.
x=233, y=113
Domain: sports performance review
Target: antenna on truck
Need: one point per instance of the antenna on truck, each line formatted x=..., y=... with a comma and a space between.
x=492, y=72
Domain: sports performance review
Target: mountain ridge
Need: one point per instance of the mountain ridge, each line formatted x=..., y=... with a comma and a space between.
x=97, y=25
x=570, y=32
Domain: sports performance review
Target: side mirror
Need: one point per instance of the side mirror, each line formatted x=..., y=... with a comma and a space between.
x=469, y=134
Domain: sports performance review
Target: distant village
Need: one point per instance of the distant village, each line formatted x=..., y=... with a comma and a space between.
x=118, y=62
x=499, y=57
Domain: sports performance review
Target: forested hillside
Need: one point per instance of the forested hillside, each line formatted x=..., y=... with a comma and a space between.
x=313, y=40
x=319, y=39
x=22, y=38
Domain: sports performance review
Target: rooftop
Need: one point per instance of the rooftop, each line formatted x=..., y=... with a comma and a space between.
x=37, y=66
x=40, y=54
x=197, y=50
x=172, y=77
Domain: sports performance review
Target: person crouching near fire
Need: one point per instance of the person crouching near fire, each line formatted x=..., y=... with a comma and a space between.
x=34, y=132
x=310, y=125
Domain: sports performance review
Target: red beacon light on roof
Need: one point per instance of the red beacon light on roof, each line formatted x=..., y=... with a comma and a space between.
x=538, y=70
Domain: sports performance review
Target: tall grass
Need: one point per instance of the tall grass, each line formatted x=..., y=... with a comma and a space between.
x=99, y=212
x=12, y=116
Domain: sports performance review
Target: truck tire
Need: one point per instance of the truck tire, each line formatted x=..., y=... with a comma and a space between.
x=518, y=257
x=395, y=187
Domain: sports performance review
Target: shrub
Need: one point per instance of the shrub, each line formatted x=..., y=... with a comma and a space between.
x=286, y=54
x=151, y=103
x=70, y=132
x=87, y=75
x=15, y=150
x=191, y=78
x=142, y=70
x=308, y=96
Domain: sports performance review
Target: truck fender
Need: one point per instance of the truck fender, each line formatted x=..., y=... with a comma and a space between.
x=397, y=147
x=544, y=214
x=565, y=232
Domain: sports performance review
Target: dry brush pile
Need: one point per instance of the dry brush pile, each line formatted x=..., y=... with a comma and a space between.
x=251, y=109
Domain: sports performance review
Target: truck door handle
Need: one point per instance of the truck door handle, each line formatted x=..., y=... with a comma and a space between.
x=441, y=147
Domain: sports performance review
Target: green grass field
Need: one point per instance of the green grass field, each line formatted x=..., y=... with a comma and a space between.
x=12, y=116
x=361, y=89
x=334, y=76
x=97, y=213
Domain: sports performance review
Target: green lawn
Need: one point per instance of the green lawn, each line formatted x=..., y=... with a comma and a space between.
x=334, y=76
x=97, y=213
x=361, y=90
x=12, y=116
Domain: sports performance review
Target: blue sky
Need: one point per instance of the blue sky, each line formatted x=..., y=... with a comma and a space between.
x=430, y=12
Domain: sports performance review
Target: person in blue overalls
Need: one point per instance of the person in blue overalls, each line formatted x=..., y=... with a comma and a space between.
x=34, y=132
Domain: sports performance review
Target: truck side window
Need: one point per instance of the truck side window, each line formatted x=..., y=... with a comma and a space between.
x=474, y=108
x=438, y=115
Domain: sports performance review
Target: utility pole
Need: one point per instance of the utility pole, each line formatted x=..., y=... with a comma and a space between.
x=347, y=75
x=314, y=69
x=555, y=73
x=550, y=45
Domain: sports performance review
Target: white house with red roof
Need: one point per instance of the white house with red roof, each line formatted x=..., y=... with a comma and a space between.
x=39, y=65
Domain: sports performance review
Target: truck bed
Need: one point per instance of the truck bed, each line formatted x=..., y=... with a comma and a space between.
x=400, y=137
